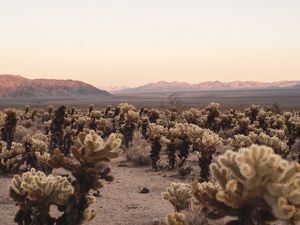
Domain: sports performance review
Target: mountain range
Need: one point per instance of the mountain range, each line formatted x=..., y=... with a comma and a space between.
x=15, y=86
x=18, y=86
x=163, y=86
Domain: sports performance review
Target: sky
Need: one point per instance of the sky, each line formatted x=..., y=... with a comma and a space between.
x=133, y=42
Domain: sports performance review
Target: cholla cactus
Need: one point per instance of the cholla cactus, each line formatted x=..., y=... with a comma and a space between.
x=240, y=141
x=68, y=140
x=144, y=127
x=207, y=142
x=27, y=107
x=39, y=143
x=252, y=112
x=131, y=118
x=125, y=107
x=56, y=128
x=36, y=152
x=294, y=125
x=192, y=116
x=42, y=158
x=9, y=127
x=11, y=159
x=153, y=116
x=226, y=121
x=39, y=188
x=80, y=123
x=213, y=110
x=293, y=129
x=179, y=195
x=277, y=133
x=278, y=146
x=96, y=114
x=255, y=185
x=106, y=126
x=107, y=112
x=88, y=167
x=35, y=192
x=277, y=122
x=50, y=109
x=94, y=149
x=89, y=214
x=91, y=108
x=193, y=133
x=171, y=150
x=179, y=130
x=2, y=119
x=263, y=118
x=155, y=133
x=180, y=138
x=243, y=125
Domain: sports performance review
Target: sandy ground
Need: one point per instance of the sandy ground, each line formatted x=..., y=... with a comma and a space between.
x=123, y=204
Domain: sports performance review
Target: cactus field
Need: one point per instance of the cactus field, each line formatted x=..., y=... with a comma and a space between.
x=126, y=165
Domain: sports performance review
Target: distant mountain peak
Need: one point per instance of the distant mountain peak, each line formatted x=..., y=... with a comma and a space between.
x=175, y=86
x=18, y=86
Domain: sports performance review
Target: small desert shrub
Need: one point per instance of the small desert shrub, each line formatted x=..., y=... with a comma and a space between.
x=139, y=151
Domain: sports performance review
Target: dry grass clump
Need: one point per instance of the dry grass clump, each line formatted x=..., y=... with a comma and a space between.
x=139, y=151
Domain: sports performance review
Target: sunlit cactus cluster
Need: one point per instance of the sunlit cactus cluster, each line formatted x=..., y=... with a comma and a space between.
x=253, y=185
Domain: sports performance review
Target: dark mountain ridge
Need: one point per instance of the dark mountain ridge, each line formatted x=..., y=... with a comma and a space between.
x=18, y=86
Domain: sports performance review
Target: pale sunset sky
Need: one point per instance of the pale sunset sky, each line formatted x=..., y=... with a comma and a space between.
x=133, y=42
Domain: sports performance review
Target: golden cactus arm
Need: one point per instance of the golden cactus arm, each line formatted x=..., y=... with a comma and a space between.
x=231, y=165
x=219, y=174
x=290, y=172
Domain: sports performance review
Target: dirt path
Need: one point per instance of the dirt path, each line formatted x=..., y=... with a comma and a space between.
x=122, y=204
x=7, y=207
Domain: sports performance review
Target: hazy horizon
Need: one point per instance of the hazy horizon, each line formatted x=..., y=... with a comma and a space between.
x=111, y=87
x=131, y=43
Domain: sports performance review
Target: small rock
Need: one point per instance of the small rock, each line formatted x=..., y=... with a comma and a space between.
x=122, y=165
x=144, y=191
x=131, y=206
